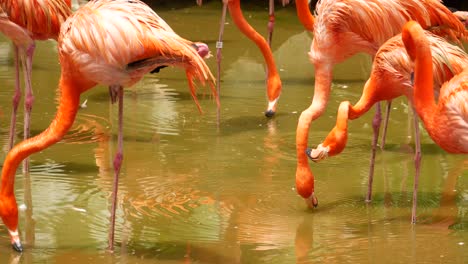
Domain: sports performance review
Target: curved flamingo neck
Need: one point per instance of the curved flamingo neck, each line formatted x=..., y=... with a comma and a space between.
x=69, y=104
x=304, y=14
x=365, y=103
x=418, y=47
x=249, y=31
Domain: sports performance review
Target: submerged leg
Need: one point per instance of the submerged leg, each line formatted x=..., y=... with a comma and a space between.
x=16, y=99
x=417, y=165
x=28, y=97
x=375, y=126
x=116, y=90
x=387, y=117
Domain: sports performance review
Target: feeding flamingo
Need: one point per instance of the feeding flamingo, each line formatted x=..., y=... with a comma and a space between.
x=24, y=21
x=342, y=29
x=273, y=79
x=109, y=42
x=391, y=78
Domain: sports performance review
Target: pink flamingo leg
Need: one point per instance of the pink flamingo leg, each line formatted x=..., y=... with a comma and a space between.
x=375, y=126
x=417, y=165
x=271, y=21
x=116, y=90
x=219, y=46
x=387, y=117
x=28, y=97
x=16, y=99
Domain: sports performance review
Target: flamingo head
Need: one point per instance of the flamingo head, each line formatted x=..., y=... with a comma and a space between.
x=273, y=93
x=202, y=49
x=15, y=240
x=305, y=186
x=9, y=215
x=319, y=153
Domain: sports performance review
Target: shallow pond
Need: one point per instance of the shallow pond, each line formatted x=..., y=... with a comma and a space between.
x=192, y=191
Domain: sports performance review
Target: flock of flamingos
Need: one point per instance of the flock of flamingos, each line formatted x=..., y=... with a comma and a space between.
x=416, y=47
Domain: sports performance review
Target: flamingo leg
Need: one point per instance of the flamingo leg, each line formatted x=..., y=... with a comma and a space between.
x=271, y=21
x=375, y=126
x=118, y=91
x=16, y=99
x=387, y=117
x=219, y=46
x=417, y=165
x=28, y=97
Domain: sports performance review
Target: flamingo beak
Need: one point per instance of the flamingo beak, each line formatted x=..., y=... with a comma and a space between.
x=318, y=154
x=17, y=246
x=15, y=241
x=312, y=201
x=270, y=112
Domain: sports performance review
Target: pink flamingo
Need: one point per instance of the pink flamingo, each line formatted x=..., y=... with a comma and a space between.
x=343, y=28
x=447, y=120
x=274, y=85
x=391, y=78
x=23, y=23
x=110, y=42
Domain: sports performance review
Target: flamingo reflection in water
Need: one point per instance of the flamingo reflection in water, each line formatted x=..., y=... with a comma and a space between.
x=93, y=49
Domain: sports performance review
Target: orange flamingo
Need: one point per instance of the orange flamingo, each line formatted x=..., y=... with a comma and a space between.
x=445, y=121
x=273, y=79
x=110, y=42
x=344, y=28
x=391, y=78
x=23, y=24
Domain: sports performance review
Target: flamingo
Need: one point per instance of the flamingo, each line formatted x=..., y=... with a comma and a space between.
x=273, y=79
x=343, y=28
x=447, y=120
x=109, y=42
x=391, y=78
x=23, y=23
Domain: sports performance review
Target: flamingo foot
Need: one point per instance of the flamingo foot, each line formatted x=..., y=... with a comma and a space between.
x=318, y=154
x=312, y=201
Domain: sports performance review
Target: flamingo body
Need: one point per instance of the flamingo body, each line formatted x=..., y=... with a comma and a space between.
x=41, y=18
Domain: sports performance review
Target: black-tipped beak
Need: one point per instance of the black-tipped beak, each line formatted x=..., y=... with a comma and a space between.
x=315, y=203
x=269, y=113
x=17, y=246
